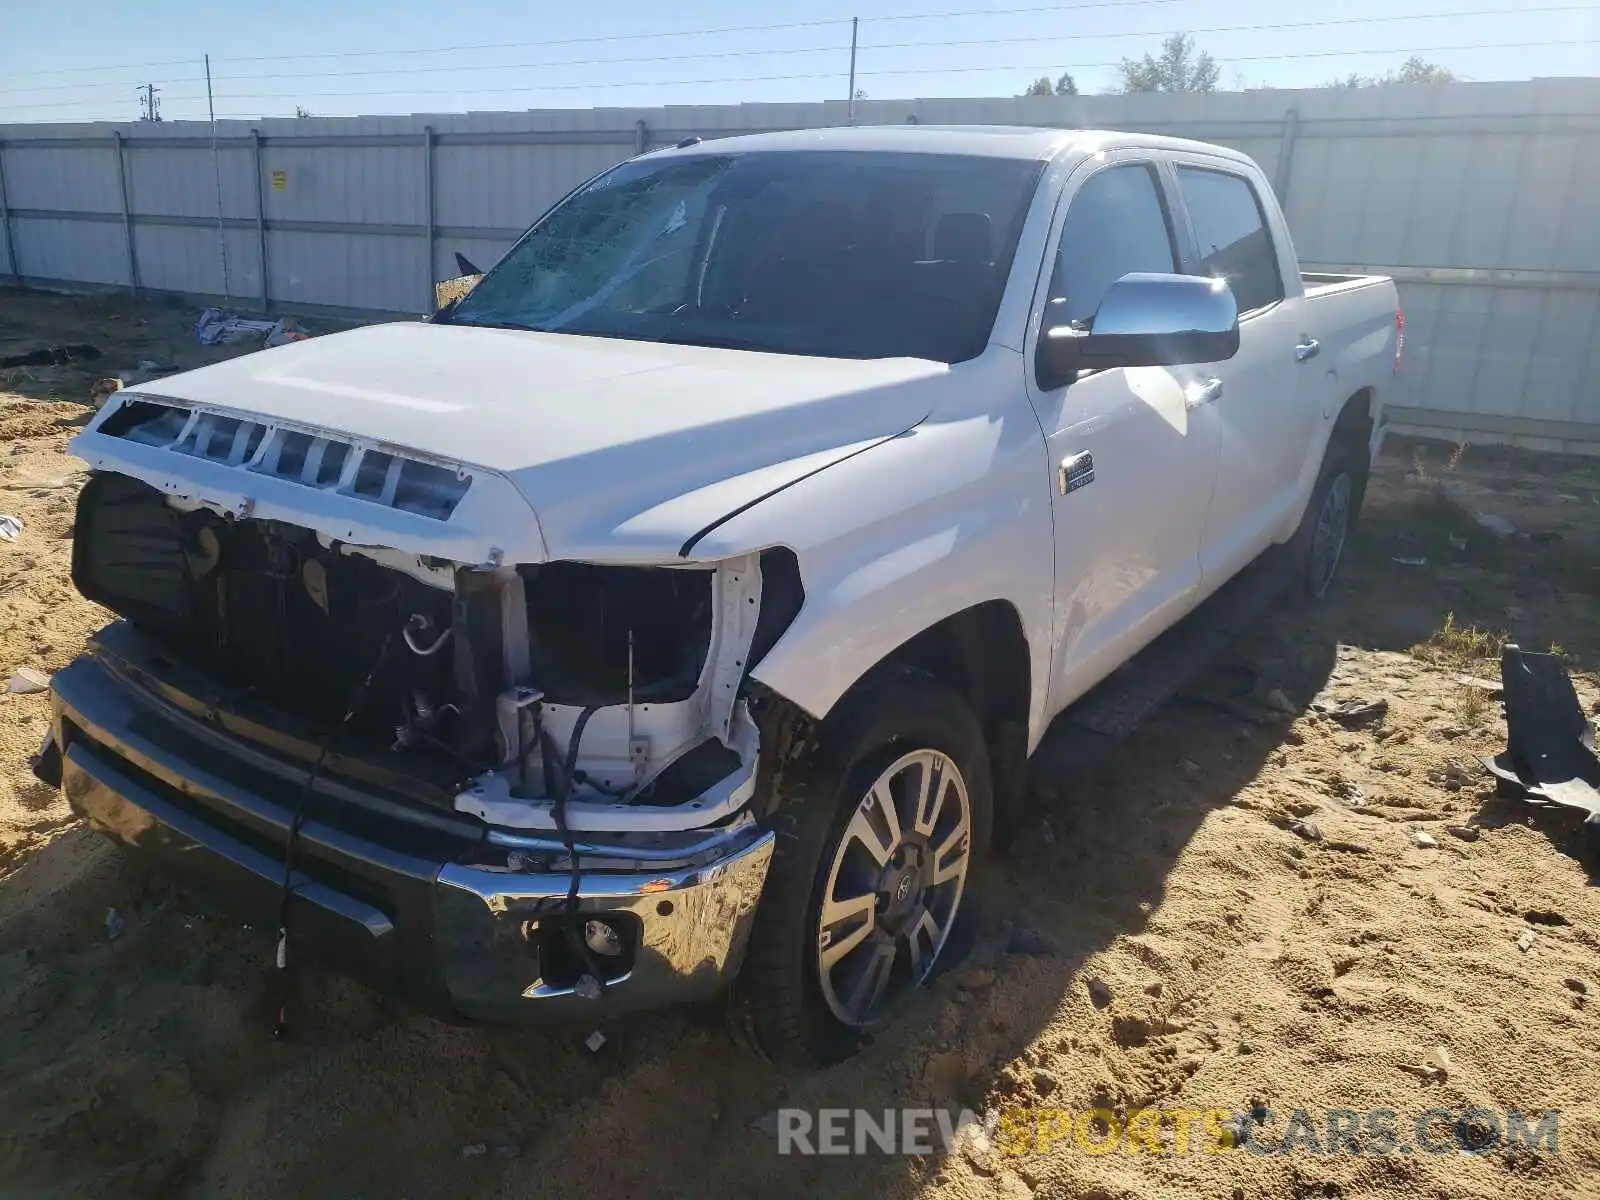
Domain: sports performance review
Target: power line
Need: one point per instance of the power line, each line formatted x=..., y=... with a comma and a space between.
x=578, y=62
x=611, y=37
x=1010, y=66
x=839, y=49
x=1265, y=57
x=658, y=34
x=868, y=46
x=624, y=37
x=171, y=62
x=564, y=87
x=616, y=37
x=166, y=98
x=113, y=85
x=1121, y=34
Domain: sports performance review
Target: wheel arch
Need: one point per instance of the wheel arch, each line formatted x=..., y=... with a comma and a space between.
x=1353, y=427
x=1356, y=417
x=982, y=652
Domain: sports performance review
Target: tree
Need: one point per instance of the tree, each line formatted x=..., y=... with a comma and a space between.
x=1420, y=70
x=1414, y=70
x=1179, y=69
x=1065, y=86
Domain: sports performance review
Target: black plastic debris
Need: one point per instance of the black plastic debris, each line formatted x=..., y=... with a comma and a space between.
x=46, y=765
x=51, y=356
x=1550, y=756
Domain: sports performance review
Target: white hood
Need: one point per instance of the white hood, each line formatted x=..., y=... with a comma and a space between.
x=623, y=449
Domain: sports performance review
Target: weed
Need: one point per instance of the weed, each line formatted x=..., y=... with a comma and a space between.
x=1423, y=475
x=1472, y=705
x=1460, y=646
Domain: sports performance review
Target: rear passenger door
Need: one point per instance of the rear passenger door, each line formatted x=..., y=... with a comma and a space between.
x=1264, y=420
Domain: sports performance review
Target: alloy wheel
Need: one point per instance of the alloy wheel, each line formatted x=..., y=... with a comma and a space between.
x=894, y=886
x=1333, y=525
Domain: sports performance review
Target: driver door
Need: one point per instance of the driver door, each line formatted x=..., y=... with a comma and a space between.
x=1132, y=451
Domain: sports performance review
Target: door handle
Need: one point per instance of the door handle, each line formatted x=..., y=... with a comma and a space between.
x=1307, y=348
x=1202, y=391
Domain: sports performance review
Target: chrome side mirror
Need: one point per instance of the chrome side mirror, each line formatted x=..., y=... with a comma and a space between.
x=1145, y=320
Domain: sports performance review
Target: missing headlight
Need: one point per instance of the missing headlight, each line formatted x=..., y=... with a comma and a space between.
x=581, y=617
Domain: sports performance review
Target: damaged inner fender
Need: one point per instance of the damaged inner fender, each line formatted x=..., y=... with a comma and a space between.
x=493, y=676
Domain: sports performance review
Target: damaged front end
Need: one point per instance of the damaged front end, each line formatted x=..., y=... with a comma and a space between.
x=617, y=687
x=576, y=736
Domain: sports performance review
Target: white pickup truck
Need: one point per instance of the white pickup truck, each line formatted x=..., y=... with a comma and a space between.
x=685, y=601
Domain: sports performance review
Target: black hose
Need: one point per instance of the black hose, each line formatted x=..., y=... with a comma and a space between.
x=286, y=888
x=575, y=878
x=547, y=762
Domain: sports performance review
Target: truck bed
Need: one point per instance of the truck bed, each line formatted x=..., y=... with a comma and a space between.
x=1319, y=283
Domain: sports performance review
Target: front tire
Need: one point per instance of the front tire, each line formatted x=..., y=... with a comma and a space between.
x=880, y=831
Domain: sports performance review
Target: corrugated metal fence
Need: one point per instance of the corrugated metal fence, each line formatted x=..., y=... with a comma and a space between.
x=1481, y=199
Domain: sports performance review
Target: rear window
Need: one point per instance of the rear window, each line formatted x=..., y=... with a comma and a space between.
x=1232, y=233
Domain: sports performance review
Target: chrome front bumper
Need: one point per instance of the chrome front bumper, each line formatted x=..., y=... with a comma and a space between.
x=692, y=927
x=424, y=902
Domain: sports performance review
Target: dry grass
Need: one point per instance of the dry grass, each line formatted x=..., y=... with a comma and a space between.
x=1421, y=469
x=1463, y=647
x=1472, y=705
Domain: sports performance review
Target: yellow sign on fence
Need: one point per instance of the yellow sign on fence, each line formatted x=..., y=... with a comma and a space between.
x=280, y=181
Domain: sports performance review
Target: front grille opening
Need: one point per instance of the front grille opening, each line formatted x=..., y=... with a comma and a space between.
x=429, y=490
x=298, y=457
x=292, y=451
x=211, y=438
x=147, y=423
x=264, y=605
x=332, y=464
x=371, y=474
x=252, y=442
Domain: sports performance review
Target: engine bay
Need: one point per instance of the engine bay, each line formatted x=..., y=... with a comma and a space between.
x=598, y=697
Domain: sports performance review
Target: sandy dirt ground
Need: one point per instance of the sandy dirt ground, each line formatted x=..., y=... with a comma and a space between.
x=1182, y=944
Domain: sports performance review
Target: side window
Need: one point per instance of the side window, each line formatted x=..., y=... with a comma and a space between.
x=1233, y=238
x=1116, y=224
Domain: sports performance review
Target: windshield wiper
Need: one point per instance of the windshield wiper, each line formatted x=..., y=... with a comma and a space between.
x=482, y=323
x=718, y=341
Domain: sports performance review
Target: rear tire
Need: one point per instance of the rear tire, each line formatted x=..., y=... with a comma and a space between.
x=1318, y=545
x=890, y=917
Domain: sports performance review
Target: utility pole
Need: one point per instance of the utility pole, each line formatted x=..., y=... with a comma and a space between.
x=149, y=106
x=216, y=167
x=855, y=24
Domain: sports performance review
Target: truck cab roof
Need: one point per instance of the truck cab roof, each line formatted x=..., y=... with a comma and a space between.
x=1029, y=142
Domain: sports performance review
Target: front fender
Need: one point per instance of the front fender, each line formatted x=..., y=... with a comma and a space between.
x=899, y=536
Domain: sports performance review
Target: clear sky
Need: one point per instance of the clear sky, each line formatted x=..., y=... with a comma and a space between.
x=70, y=60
